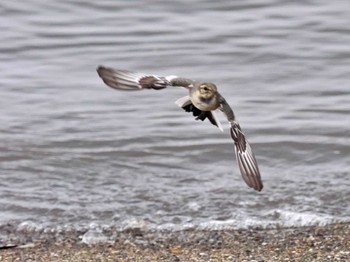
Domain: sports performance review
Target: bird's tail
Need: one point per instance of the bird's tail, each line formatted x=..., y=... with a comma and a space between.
x=186, y=104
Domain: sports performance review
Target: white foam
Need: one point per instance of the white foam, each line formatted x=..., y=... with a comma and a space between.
x=94, y=236
x=134, y=223
x=29, y=226
x=194, y=206
x=289, y=218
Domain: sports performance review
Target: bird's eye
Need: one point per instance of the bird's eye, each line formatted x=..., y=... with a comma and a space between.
x=205, y=88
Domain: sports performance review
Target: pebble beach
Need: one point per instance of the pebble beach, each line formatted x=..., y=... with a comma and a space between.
x=92, y=174
x=312, y=243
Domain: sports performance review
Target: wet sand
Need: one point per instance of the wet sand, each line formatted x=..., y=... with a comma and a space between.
x=314, y=243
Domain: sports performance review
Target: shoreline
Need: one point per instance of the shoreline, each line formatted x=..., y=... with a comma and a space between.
x=310, y=243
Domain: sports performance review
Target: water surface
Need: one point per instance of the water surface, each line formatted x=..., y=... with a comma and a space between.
x=74, y=152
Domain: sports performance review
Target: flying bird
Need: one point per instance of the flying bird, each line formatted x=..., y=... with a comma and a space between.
x=202, y=99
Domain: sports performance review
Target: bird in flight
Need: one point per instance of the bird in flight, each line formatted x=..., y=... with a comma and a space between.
x=202, y=99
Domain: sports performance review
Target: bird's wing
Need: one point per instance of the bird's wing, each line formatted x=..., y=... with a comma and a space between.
x=127, y=80
x=244, y=154
x=186, y=104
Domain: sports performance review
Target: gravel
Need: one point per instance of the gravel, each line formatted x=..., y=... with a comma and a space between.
x=313, y=243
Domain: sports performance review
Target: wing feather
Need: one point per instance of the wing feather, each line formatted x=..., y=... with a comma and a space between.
x=246, y=159
x=127, y=80
x=247, y=163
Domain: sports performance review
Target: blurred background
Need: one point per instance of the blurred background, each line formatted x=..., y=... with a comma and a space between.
x=73, y=151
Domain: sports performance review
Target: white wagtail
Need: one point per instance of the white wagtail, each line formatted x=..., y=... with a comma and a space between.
x=202, y=100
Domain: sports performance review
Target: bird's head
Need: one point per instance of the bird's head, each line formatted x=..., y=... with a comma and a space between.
x=207, y=90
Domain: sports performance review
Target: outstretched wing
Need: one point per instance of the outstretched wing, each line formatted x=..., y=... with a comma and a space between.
x=127, y=80
x=245, y=158
x=186, y=104
x=244, y=154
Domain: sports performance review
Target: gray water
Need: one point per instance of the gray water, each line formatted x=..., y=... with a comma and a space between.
x=75, y=152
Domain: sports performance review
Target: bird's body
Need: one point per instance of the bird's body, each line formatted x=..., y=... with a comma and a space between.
x=201, y=101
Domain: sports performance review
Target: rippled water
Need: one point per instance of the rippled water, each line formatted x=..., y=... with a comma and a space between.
x=73, y=151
